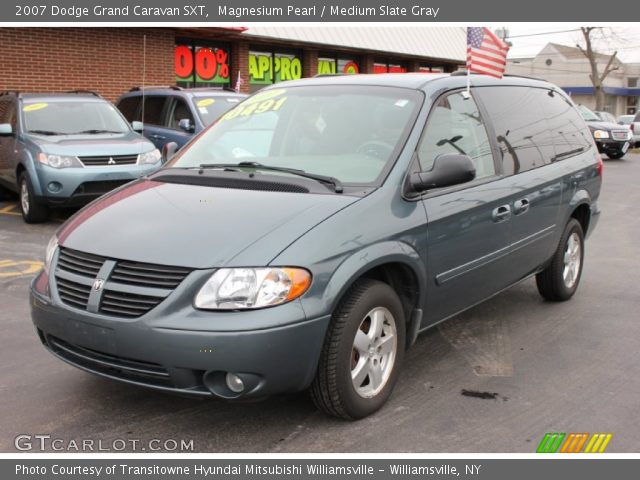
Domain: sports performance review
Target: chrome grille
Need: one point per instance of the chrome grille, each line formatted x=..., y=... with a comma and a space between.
x=109, y=160
x=128, y=305
x=132, y=273
x=621, y=134
x=79, y=263
x=73, y=293
x=130, y=289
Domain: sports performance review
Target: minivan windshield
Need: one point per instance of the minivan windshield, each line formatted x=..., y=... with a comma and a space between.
x=72, y=117
x=210, y=108
x=588, y=115
x=350, y=133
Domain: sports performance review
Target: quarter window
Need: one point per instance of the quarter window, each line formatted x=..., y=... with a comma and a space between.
x=8, y=112
x=520, y=126
x=569, y=133
x=456, y=126
x=129, y=108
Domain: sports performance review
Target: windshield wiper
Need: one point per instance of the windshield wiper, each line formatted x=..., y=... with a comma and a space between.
x=337, y=185
x=94, y=130
x=46, y=132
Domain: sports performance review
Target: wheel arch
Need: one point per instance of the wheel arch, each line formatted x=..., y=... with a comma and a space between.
x=26, y=164
x=580, y=209
x=395, y=263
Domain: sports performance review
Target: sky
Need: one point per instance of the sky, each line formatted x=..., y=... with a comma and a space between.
x=528, y=40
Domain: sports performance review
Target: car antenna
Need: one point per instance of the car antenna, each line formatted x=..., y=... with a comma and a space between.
x=144, y=78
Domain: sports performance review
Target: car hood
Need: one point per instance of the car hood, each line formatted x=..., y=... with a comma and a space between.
x=93, y=145
x=606, y=126
x=196, y=226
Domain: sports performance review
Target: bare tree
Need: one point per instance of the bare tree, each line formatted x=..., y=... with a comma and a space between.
x=597, y=78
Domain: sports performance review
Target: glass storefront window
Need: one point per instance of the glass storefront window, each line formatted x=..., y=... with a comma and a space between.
x=267, y=67
x=389, y=67
x=201, y=65
x=328, y=65
x=424, y=68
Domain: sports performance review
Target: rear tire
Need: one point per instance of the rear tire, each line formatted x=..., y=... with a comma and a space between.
x=362, y=353
x=32, y=210
x=559, y=281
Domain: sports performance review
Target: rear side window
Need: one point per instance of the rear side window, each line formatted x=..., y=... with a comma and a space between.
x=520, y=126
x=129, y=108
x=153, y=107
x=569, y=133
x=455, y=126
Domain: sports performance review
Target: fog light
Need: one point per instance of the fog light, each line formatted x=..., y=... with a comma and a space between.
x=54, y=187
x=234, y=383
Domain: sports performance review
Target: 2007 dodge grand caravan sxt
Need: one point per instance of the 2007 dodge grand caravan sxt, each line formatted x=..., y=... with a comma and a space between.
x=305, y=239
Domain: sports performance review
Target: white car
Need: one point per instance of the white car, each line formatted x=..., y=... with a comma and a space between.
x=634, y=124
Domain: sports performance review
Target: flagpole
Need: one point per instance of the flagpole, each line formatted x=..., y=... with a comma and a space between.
x=467, y=94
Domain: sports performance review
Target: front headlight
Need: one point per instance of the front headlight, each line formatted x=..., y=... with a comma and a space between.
x=59, y=161
x=600, y=134
x=249, y=288
x=150, y=157
x=51, y=249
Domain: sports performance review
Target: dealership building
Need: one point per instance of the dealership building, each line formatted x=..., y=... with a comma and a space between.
x=111, y=61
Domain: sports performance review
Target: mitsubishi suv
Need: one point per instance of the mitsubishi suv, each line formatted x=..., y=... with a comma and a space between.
x=67, y=149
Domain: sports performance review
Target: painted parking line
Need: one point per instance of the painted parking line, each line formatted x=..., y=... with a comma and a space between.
x=11, y=209
x=19, y=268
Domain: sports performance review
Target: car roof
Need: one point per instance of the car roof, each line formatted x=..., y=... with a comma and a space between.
x=417, y=80
x=178, y=91
x=52, y=97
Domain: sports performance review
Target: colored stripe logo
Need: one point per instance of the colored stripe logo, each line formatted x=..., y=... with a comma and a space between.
x=574, y=443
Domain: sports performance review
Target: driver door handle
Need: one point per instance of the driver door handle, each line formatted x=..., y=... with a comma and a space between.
x=501, y=214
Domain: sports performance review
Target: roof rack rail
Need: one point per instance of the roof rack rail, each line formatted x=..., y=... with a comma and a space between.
x=155, y=87
x=88, y=92
x=461, y=73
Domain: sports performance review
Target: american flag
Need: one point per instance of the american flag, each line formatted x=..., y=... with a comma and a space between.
x=486, y=53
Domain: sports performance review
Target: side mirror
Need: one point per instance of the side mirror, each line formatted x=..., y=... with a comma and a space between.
x=137, y=126
x=6, y=130
x=168, y=151
x=186, y=125
x=448, y=169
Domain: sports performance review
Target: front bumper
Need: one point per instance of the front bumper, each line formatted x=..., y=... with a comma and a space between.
x=613, y=146
x=161, y=351
x=79, y=186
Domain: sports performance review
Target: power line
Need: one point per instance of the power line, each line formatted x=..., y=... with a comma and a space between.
x=542, y=33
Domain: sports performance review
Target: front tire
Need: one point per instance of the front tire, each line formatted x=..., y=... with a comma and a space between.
x=32, y=210
x=362, y=353
x=559, y=281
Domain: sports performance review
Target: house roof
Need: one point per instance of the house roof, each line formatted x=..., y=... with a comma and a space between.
x=446, y=43
x=574, y=53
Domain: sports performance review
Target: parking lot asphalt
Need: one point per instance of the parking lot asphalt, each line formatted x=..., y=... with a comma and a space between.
x=538, y=367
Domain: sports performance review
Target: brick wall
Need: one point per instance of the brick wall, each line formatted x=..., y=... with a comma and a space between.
x=240, y=63
x=107, y=60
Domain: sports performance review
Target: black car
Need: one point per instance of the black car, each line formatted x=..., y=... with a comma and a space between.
x=611, y=138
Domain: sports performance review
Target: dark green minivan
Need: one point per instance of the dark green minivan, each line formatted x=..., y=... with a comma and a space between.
x=306, y=238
